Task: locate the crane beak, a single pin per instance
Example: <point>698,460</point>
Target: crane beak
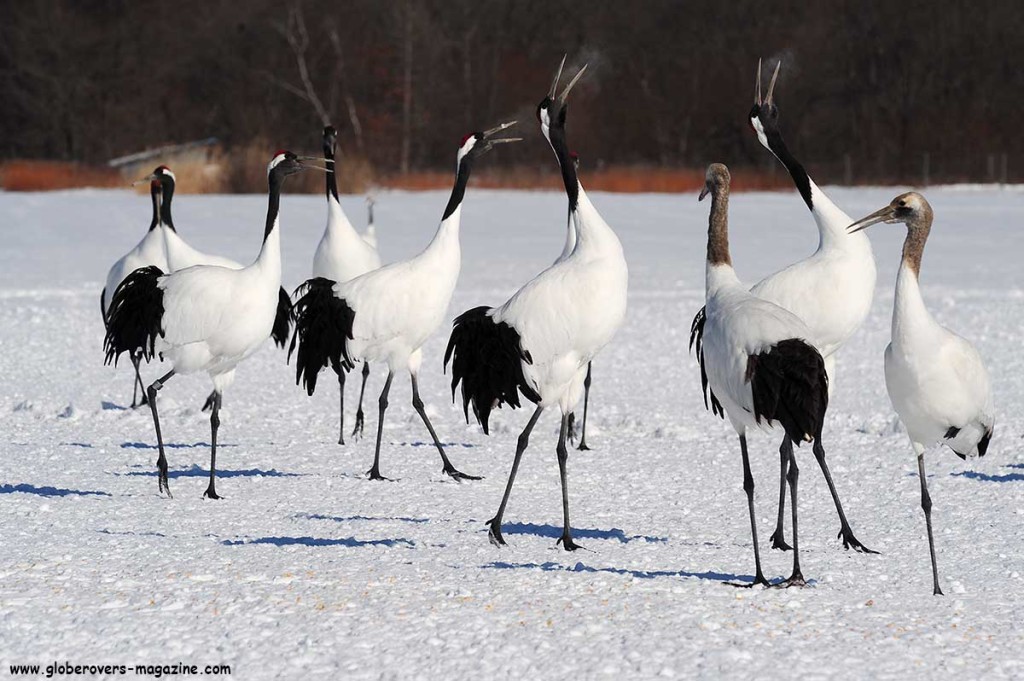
<point>704,192</point>
<point>147,178</point>
<point>769,100</point>
<point>883,215</point>
<point>496,130</point>
<point>314,166</point>
<point>565,93</point>
<point>554,83</point>
<point>757,84</point>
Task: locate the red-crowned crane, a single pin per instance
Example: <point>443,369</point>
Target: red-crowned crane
<point>830,290</point>
<point>387,314</point>
<point>181,255</point>
<point>936,380</point>
<point>343,254</point>
<point>542,339</point>
<point>148,252</point>
<point>203,318</point>
<point>756,361</point>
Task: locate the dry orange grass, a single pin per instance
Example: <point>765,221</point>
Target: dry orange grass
<point>34,176</point>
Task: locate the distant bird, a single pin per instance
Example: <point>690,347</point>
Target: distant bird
<point>388,314</point>
<point>570,244</point>
<point>181,255</point>
<point>936,380</point>
<point>542,339</point>
<point>203,318</point>
<point>370,235</point>
<point>830,290</point>
<point>148,252</point>
<point>343,254</point>
<point>756,360</point>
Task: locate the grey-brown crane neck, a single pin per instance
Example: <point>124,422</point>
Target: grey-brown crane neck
<point>918,228</point>
<point>718,227</point>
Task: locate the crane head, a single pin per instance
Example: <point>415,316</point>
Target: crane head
<point>905,208</point>
<point>717,176</point>
<point>551,110</point>
<point>330,141</point>
<point>479,143</point>
<point>764,115</point>
<point>162,176</point>
<point>285,163</point>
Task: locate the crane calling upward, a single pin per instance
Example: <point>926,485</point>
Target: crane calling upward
<point>936,380</point>
<point>203,318</point>
<point>388,314</point>
<point>542,339</point>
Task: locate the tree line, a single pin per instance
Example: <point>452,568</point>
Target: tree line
<point>869,91</point>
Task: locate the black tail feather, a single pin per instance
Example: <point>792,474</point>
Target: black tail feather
<point>983,442</point>
<point>487,359</point>
<point>323,327</point>
<point>283,320</point>
<point>103,305</point>
<point>789,385</point>
<point>697,339</point>
<point>135,315</point>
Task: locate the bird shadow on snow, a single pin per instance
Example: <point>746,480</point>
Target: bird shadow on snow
<point>199,472</point>
<point>985,477</point>
<point>352,518</point>
<point>49,491</point>
<point>171,445</point>
<point>556,532</point>
<point>551,566</point>
<point>350,542</point>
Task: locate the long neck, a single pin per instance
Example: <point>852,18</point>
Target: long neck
<point>556,135</point>
<point>331,181</point>
<point>274,204</point>
<point>165,208</point>
<point>909,313</point>
<point>800,178</point>
<point>459,190</point>
<point>154,195</point>
<point>718,228</point>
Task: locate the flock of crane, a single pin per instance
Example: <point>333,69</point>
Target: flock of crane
<point>766,353</point>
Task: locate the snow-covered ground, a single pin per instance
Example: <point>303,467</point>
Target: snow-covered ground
<point>307,570</point>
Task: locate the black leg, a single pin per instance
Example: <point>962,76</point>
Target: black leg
<point>748,487</point>
<point>586,401</point>
<point>844,530</point>
<point>494,533</point>
<point>138,385</point>
<point>211,491</point>
<point>208,404</point>
<point>448,468</point>
<point>926,505</point>
<point>778,537</point>
<point>341,405</point>
<point>382,403</point>
<point>563,459</point>
<point>797,578</point>
<point>161,462</point>
<point>358,430</point>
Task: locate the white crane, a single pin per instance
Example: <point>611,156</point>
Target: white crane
<point>756,359</point>
<point>343,254</point>
<point>387,314</point>
<point>831,290</point>
<point>203,318</point>
<point>149,251</point>
<point>181,255</point>
<point>936,380</point>
<point>542,339</point>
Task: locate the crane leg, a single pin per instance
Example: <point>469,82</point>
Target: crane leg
<point>161,462</point>
<point>138,384</point>
<point>211,490</point>
<point>563,459</point>
<point>417,404</point>
<point>586,401</point>
<point>926,506</point>
<point>748,487</point>
<point>341,406</point>
<point>797,578</point>
<point>494,524</point>
<point>358,430</point>
<point>382,404</point>
<point>845,531</point>
<point>778,537</point>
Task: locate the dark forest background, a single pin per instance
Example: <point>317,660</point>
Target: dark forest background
<point>869,91</point>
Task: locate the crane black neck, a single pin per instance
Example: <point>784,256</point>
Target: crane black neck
<point>167,186</point>
<point>459,190</point>
<point>556,135</point>
<point>796,170</point>
<point>331,180</point>
<point>274,182</point>
<point>154,195</point>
